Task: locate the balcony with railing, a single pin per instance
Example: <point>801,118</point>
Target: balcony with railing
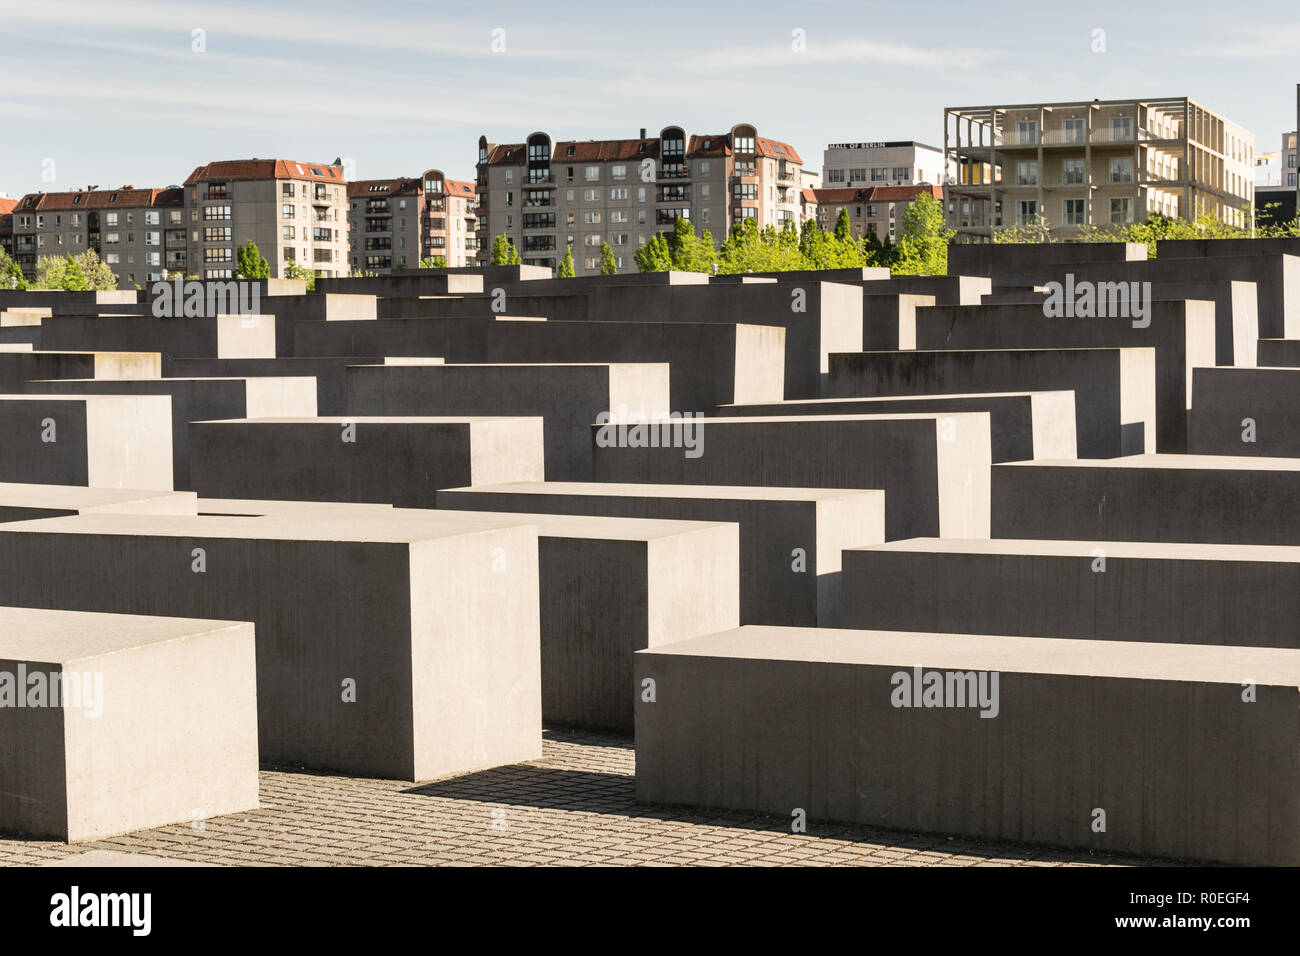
<point>786,172</point>
<point>377,205</point>
<point>540,177</point>
<point>674,171</point>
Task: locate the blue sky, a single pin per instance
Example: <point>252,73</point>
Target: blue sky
<point>112,91</point>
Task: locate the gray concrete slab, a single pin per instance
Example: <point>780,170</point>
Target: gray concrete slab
<point>22,502</point>
<point>790,538</point>
<point>200,399</point>
<point>125,722</point>
<point>1114,389</point>
<point>102,441</point>
<point>568,398</point>
<point>1138,748</point>
<point>1181,332</point>
<point>1245,411</point>
<point>390,460</point>
<point>1215,499</point>
<point>1024,425</point>
<point>1230,594</point>
<point>385,647</point>
<point>17,367</point>
<point>933,468</point>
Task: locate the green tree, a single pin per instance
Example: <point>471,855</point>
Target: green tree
<point>872,250</point>
<point>503,252</point>
<point>433,262</point>
<point>97,273</point>
<point>842,224</point>
<point>608,264</point>
<point>923,243</point>
<point>293,270</point>
<point>250,263</point>
<point>565,268</point>
<point>11,275</point>
<point>654,256</point>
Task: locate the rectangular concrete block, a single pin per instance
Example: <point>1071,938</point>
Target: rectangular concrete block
<point>103,441</point>
<point>568,398</point>
<point>1228,594</point>
<point>28,366</point>
<point>111,723</point>
<point>1181,332</point>
<point>385,647</point>
<point>398,461</point>
<point>1114,389</point>
<point>1024,425</point>
<point>790,538</point>
<point>23,502</point>
<point>1156,736</point>
<point>710,363</point>
<point>1245,411</point>
<point>612,586</point>
<point>933,468</point>
<point>1209,498</point>
<point>889,321</point>
<point>214,336</point>
<point>200,399</point>
<point>328,372</point>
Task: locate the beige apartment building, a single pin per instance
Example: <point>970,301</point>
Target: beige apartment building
<point>545,195</point>
<point>295,212</point>
<point>7,224</point>
<point>138,233</point>
<point>1096,162</point>
<point>876,209</point>
<point>396,223</point>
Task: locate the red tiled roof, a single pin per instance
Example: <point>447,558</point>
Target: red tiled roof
<point>775,149</point>
<point>809,195</point>
<point>7,205</point>
<point>717,145</point>
<point>99,199</point>
<point>871,194</point>
<point>458,187</point>
<point>391,187</point>
<point>575,151</point>
<point>235,170</point>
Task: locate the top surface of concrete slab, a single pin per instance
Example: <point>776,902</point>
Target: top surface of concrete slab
<point>586,526</point>
<point>309,527</point>
<point>1187,462</point>
<point>60,637</point>
<point>269,506</point>
<point>647,490</point>
<point>75,497</point>
<point>944,396</point>
<point>1201,663</point>
<point>361,419</point>
<point>1040,547</point>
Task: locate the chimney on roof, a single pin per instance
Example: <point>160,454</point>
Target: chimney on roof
<point>643,132</point>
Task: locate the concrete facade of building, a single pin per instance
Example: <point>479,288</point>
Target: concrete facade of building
<point>899,163</point>
<point>138,233</point>
<point>396,223</point>
<point>1098,162</point>
<point>295,212</point>
<point>545,195</point>
<point>874,209</point>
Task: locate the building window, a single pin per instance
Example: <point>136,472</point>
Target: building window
<point>1072,171</point>
<point>1027,172</point>
<point>110,219</point>
<point>1026,212</point>
<point>1121,210</point>
<point>1074,211</point>
<point>619,192</point>
<point>902,172</point>
<point>216,212</point>
<point>287,232</point>
<point>591,195</point>
<point>218,234</point>
<point>592,174</point>
<point>591,218</point>
<point>1121,169</point>
<point>1121,128</point>
<point>1027,133</point>
<point>219,255</point>
<point>618,215</point>
<point>111,238</point>
<point>618,173</point>
<point>745,191</point>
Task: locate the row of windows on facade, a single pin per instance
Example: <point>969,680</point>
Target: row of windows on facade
<point>859,175</point>
<point>542,197</point>
<point>591,174</point>
<point>287,191</point>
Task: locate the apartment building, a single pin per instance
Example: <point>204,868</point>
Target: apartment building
<point>546,195</point>
<point>7,224</point>
<point>138,233</point>
<point>295,212</point>
<point>1096,162</point>
<point>898,163</point>
<point>877,209</point>
<point>1287,160</point>
<point>395,223</point>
